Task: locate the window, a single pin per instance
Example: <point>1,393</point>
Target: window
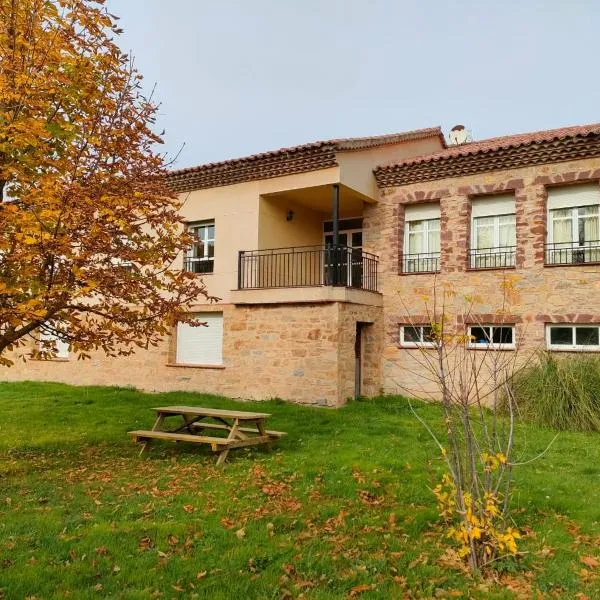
<point>422,239</point>
<point>493,232</point>
<point>492,336</point>
<point>573,337</point>
<point>51,341</point>
<point>201,345</point>
<point>200,257</point>
<point>417,336</point>
<point>573,224</point>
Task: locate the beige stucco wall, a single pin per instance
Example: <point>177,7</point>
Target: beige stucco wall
<point>235,210</point>
<point>274,231</point>
<point>356,167</point>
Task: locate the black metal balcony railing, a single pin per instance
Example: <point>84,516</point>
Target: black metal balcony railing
<point>199,265</point>
<point>573,253</point>
<point>424,262</point>
<point>307,266</point>
<point>501,257</point>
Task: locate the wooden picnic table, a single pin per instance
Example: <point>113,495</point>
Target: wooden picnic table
<point>242,428</point>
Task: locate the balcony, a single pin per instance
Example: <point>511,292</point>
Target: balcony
<point>502,257</point>
<point>424,262</point>
<point>573,253</point>
<point>307,266</point>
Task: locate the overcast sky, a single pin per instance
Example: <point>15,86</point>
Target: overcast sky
<point>236,77</point>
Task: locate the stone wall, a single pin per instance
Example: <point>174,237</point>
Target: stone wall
<point>299,352</point>
<point>534,294</point>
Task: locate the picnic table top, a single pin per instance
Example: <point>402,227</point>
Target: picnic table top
<point>212,412</point>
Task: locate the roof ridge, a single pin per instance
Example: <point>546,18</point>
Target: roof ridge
<point>505,152</point>
<point>335,143</point>
<point>495,143</point>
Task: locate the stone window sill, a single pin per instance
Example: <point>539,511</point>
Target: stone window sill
<point>406,273</point>
<point>185,366</point>
<point>59,360</point>
<point>510,268</point>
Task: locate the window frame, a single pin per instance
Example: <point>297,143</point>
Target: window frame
<point>571,347</point>
<point>63,351</point>
<point>426,232</point>
<point>491,345</point>
<point>207,317</point>
<point>421,344</point>
<point>575,229</point>
<point>496,227</point>
<point>189,259</point>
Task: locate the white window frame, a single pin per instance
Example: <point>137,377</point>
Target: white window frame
<point>426,230</point>
<point>574,223</point>
<point>496,248</point>
<point>491,345</point>
<point>203,318</point>
<point>190,258</point>
<point>62,346</point>
<point>410,344</point>
<point>570,347</point>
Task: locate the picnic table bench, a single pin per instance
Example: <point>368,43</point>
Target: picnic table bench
<point>198,420</point>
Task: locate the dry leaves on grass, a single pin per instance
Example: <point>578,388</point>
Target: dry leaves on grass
<point>590,561</point>
<point>369,498</point>
<point>360,589</point>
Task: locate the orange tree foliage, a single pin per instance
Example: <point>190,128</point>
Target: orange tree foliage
<point>89,233</point>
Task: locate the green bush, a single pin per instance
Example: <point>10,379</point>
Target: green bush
<point>560,392</point>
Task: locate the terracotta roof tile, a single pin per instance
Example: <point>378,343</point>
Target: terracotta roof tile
<point>505,152</point>
<point>285,161</point>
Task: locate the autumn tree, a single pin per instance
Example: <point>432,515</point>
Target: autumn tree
<point>89,231</point>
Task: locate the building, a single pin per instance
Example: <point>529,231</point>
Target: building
<point>323,256</point>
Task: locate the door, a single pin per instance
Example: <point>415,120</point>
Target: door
<point>358,348</point>
<point>344,266</point>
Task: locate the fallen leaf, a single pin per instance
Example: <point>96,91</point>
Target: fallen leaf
<point>590,561</point>
<point>240,533</point>
<point>173,540</point>
<point>201,575</point>
<point>145,544</point>
<point>359,589</point>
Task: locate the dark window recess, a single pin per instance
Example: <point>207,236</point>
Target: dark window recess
<point>561,336</point>
<point>344,225</point>
<point>493,334</point>
<point>412,334</point>
<point>502,335</point>
<point>587,336</point>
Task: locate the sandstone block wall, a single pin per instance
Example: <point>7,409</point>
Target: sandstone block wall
<point>298,352</point>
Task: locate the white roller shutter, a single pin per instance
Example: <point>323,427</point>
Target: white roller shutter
<point>491,206</point>
<point>422,212</point>
<point>62,347</point>
<point>201,345</point>
<point>570,196</point>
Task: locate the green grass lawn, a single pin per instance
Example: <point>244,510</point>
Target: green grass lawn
<point>340,508</point>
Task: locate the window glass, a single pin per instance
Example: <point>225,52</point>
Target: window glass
<point>561,336</point>
<point>480,335</point>
<point>484,232</point>
<point>200,256</point>
<point>507,234</point>
<point>412,334</point>
<point>587,336</point>
<point>502,335</point>
<point>428,334</point>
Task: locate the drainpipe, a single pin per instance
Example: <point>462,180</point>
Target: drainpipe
<point>336,214</point>
<point>336,253</point>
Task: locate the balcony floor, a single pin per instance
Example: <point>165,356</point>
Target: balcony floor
<point>302,295</point>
